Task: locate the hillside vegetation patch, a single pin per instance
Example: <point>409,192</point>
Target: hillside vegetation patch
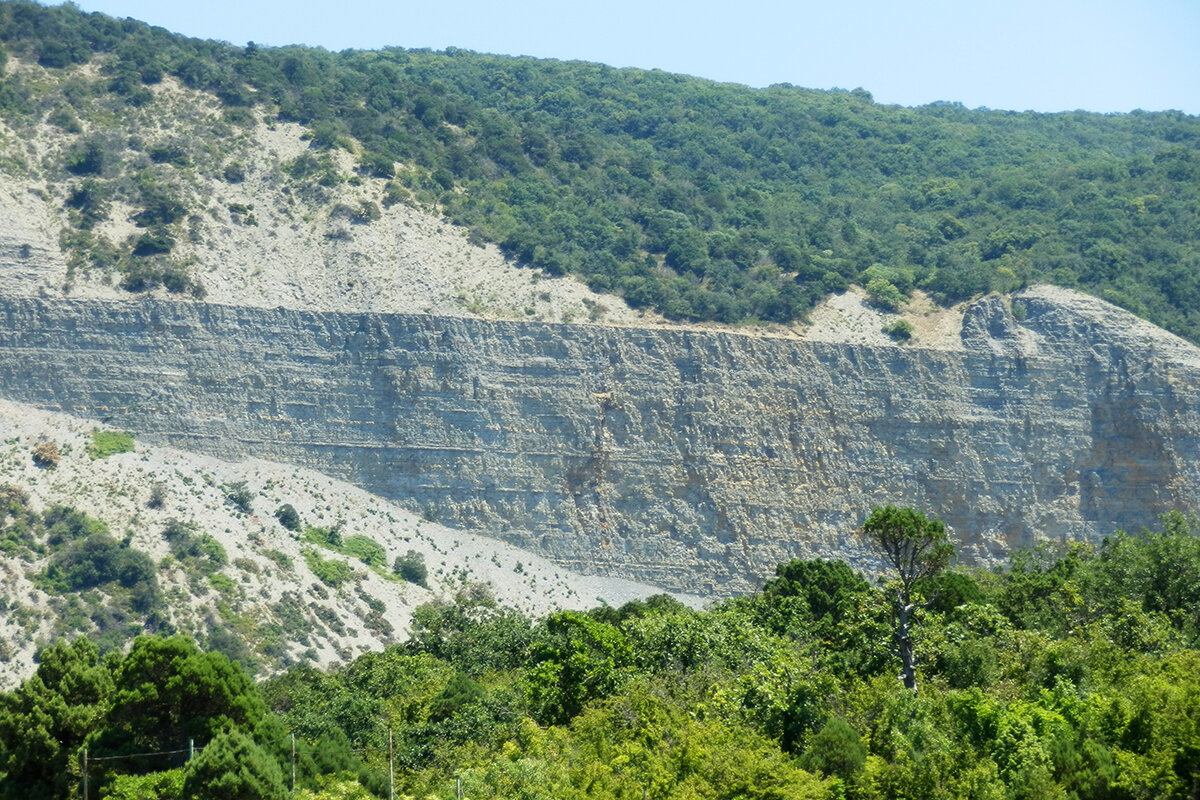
<point>109,443</point>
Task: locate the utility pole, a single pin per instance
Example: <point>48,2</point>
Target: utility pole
<point>191,749</point>
<point>84,770</point>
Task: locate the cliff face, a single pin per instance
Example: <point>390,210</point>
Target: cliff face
<point>691,460</point>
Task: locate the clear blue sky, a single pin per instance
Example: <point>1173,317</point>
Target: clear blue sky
<point>1045,55</point>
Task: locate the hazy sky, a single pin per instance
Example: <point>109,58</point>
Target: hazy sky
<point>1045,55</point>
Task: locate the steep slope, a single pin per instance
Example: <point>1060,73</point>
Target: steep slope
<point>264,594</point>
<point>691,460</point>
<point>702,201</point>
<point>253,227</point>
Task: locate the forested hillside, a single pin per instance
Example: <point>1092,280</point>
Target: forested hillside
<point>1069,674</point>
<point>702,200</point>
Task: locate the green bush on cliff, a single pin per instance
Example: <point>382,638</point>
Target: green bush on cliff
<point>109,443</point>
<point>365,549</point>
<point>330,571</point>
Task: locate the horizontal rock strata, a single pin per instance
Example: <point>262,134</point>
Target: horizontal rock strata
<point>691,460</point>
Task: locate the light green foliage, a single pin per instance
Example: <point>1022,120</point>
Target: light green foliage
<point>330,571</point>
<point>335,788</point>
<point>781,695</point>
<point>473,632</point>
<point>165,785</point>
<point>884,295</point>
<point>109,443</point>
<point>901,330</point>
<point>365,549</point>
<point>281,559</point>
<point>330,537</point>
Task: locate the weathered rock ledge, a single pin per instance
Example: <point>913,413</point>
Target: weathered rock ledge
<point>691,460</point>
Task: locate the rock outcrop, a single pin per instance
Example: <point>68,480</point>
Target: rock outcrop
<point>691,460</point>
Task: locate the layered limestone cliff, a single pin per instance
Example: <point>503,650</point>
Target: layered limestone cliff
<point>691,460</point>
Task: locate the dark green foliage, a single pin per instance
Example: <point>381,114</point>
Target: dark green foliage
<point>47,718</point>
<point>167,691</point>
<point>915,550</point>
<point>153,243</point>
<point>288,517</point>
<point>459,692</point>
<point>144,274</point>
<point>98,560</point>
<point>705,201</point>
<point>836,750</point>
<point>238,495</point>
<point>948,590</point>
<point>411,567</point>
<point>90,199</point>
<point>576,660</point>
<point>194,550</point>
<point>233,766</point>
<point>826,592</point>
<point>234,173</point>
<point>158,495</point>
<point>20,526</point>
<point>84,556</point>
<point>914,546</point>
<point>87,158</point>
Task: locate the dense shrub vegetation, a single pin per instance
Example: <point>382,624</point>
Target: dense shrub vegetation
<point>109,443</point>
<point>702,200</point>
<point>1073,673</point>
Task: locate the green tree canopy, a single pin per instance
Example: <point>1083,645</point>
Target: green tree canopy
<point>233,766</point>
<point>915,548</point>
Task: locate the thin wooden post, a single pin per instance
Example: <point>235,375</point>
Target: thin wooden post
<point>84,768</point>
<point>293,762</point>
<point>458,787</point>
<point>391,767</point>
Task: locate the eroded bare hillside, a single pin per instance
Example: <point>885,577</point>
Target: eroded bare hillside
<point>183,198</point>
<point>228,571</point>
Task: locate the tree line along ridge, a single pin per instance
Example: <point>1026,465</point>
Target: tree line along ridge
<point>701,200</point>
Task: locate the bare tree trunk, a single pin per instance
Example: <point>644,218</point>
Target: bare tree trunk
<point>908,659</point>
